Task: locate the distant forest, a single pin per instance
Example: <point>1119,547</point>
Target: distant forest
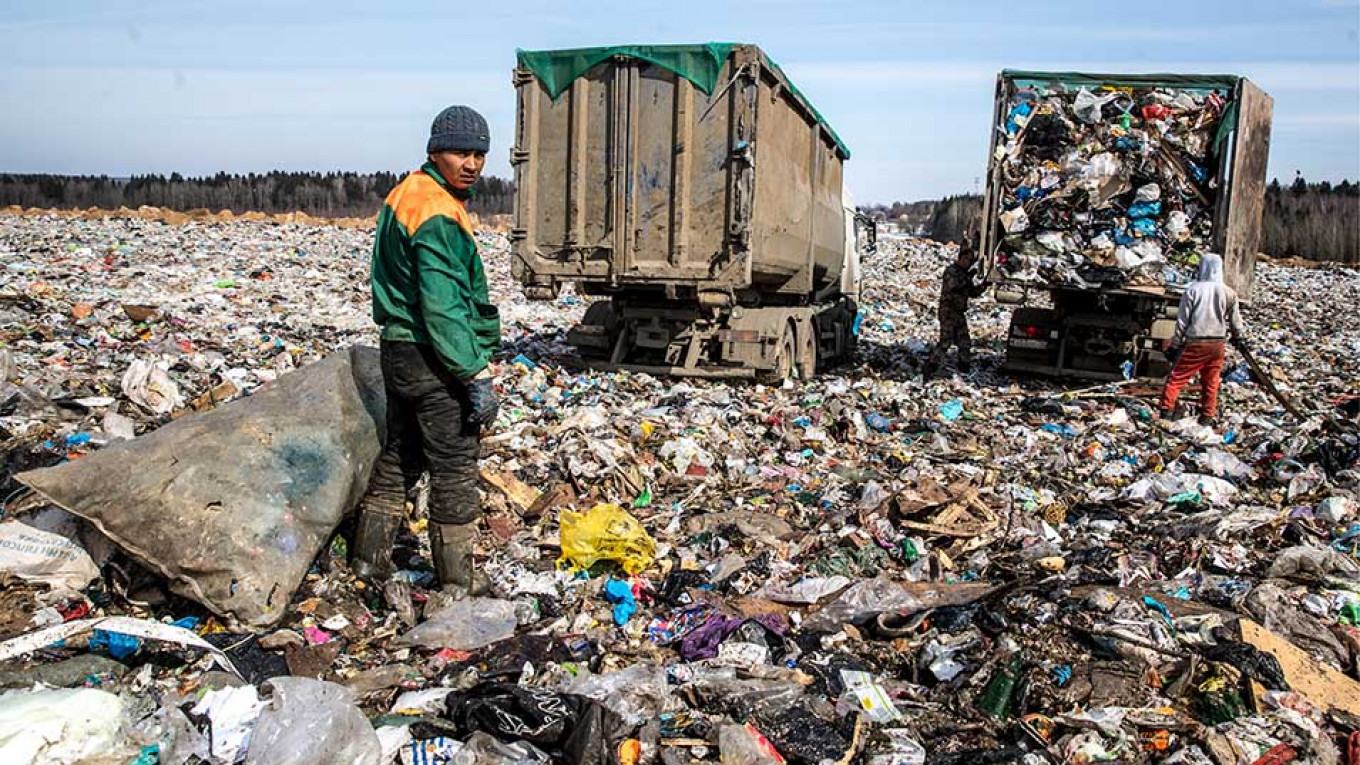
<point>324,195</point>
<point>1314,221</point>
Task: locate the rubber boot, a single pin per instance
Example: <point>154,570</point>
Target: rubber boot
<point>451,546</point>
<point>373,541</point>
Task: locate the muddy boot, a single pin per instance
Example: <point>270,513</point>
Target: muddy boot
<point>451,546</point>
<point>373,541</point>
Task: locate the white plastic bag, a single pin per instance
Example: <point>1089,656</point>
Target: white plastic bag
<point>148,385</point>
<point>309,722</point>
<point>65,726</point>
<point>466,625</point>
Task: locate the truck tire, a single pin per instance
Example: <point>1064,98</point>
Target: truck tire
<point>785,359</point>
<point>807,351</point>
<point>600,323</point>
<point>601,313</point>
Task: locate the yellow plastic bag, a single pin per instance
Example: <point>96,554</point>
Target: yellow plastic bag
<point>606,532</point>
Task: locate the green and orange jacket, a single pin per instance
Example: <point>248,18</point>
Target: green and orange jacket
<point>428,282</point>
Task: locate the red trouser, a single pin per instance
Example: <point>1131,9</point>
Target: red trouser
<point>1207,360</point>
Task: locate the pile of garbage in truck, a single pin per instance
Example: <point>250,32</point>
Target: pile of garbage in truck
<point>1108,185</point>
<point>866,567</point>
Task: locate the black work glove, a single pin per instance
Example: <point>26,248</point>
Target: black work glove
<point>1173,353</point>
<point>482,401</point>
<point>1240,343</point>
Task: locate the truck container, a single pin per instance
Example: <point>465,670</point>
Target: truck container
<point>699,195</point>
<point>1097,324</point>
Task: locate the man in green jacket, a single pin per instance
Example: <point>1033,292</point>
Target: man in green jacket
<point>439,331</point>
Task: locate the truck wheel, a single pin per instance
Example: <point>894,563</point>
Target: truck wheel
<point>784,357</point>
<point>807,351</point>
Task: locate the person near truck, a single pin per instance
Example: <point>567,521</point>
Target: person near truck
<point>957,287</point>
<point>1207,319</point>
<point>439,330</point>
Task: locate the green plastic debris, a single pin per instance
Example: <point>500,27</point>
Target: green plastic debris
<point>909,552</point>
<point>1350,614</point>
<point>225,284</point>
<point>644,499</point>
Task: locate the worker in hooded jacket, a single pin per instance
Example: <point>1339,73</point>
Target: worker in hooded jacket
<point>439,331</point>
<point>1208,318</point>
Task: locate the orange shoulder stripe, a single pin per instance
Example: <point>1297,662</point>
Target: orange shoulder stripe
<point>419,197</point>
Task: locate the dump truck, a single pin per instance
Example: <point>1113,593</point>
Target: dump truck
<point>697,196</point>
<point>1187,153</point>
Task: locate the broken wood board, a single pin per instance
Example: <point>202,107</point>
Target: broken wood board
<point>522,495</point>
<point>556,497</point>
<point>1322,685</point>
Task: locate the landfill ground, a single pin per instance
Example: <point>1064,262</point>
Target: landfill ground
<point>864,567</point>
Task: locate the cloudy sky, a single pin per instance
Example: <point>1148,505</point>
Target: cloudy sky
<point>251,85</point>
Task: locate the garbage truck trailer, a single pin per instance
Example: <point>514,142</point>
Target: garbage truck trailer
<point>697,195</point>
<point>1102,192</point>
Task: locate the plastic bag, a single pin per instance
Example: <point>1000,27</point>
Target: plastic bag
<point>605,532</point>
<point>39,556</point>
<point>312,721</point>
<point>232,505</point>
<point>1015,220</point>
<point>745,745</point>
<point>863,600</point>
<point>1149,192</point>
<point>1335,510</point>
<point>951,410</point>
<point>466,625</point>
<point>55,727</point>
<point>484,749</point>
<point>148,385</point>
<point>1225,465</point>
<point>637,693</point>
<point>232,713</point>
<point>586,732</point>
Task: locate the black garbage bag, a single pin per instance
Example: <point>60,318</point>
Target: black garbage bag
<point>1260,666</point>
<point>1102,276</point>
<point>580,729</point>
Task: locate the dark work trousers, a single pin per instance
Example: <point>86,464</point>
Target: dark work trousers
<point>953,332</point>
<point>426,430</point>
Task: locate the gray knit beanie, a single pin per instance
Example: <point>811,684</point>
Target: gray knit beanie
<point>459,128</point>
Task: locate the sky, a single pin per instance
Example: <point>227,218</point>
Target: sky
<point>122,88</point>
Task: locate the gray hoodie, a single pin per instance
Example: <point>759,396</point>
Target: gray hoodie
<point>1208,309</point>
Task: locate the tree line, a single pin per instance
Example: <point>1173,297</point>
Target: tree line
<point>1313,221</point>
<point>324,195</point>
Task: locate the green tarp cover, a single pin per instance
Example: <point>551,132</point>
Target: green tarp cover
<point>699,63</point>
<point>1182,81</point>
<point>557,69</point>
<point>1202,82</point>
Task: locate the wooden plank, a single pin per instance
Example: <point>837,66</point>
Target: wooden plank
<point>519,493</point>
<point>1322,685</point>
